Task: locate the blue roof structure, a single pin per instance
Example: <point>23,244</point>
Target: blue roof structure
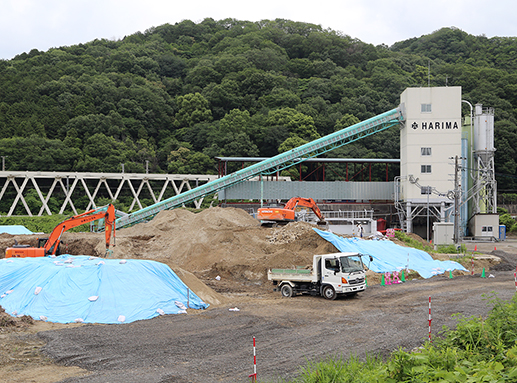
<point>86,289</point>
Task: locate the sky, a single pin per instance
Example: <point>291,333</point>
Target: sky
<point>45,24</point>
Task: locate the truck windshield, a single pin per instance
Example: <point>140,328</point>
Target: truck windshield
<point>351,264</point>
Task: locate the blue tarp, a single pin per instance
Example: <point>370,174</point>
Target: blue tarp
<point>389,257</point>
<point>86,289</point>
<point>14,229</point>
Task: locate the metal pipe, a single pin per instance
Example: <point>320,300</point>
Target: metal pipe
<point>471,134</point>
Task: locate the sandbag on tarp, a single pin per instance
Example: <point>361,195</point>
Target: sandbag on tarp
<point>86,289</point>
<point>389,257</point>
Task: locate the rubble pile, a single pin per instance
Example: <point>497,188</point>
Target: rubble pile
<point>289,233</point>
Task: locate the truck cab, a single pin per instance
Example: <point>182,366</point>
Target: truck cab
<point>330,276</point>
<point>341,273</point>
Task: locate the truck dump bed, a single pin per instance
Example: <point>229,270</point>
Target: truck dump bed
<point>295,275</point>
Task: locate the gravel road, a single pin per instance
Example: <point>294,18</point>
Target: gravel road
<point>216,345</point>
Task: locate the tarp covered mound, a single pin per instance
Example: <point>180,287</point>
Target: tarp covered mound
<point>86,289</point>
<point>14,229</point>
<point>389,257</point>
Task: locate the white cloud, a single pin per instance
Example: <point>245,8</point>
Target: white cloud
<point>28,24</point>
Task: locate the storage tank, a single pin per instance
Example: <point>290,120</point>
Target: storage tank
<point>483,131</point>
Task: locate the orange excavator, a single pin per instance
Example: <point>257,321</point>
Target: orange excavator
<point>50,246</point>
<point>273,216</point>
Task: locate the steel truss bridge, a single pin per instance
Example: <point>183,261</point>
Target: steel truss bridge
<point>15,186</point>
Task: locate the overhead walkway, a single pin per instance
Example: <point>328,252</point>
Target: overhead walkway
<point>272,165</point>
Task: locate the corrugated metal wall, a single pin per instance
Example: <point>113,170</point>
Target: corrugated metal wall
<point>334,190</point>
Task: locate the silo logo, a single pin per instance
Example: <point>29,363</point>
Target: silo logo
<point>444,125</point>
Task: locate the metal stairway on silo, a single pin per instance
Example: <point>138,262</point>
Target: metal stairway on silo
<point>271,165</point>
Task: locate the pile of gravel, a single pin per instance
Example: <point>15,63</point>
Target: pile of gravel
<point>508,261</point>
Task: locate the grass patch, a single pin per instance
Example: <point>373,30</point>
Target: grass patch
<point>445,249</point>
<point>43,224</point>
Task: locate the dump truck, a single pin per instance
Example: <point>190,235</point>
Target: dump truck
<point>331,275</point>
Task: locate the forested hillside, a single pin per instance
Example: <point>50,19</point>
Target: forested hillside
<point>179,95</point>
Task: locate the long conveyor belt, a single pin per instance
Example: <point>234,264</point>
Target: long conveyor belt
<point>271,165</point>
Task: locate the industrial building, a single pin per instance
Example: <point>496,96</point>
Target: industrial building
<point>447,177</point>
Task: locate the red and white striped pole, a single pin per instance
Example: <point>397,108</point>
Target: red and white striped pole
<point>254,375</point>
<point>430,319</point>
<point>515,278</point>
<point>472,272</point>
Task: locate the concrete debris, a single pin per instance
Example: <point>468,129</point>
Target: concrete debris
<point>289,233</point>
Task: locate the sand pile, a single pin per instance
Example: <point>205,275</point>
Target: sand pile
<point>216,240</point>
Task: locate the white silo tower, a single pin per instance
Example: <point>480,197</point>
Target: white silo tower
<point>485,220</point>
<point>485,187</point>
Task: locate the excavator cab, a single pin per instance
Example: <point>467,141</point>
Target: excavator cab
<point>42,243</point>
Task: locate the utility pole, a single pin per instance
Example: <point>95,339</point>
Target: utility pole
<point>456,200</point>
<point>428,191</point>
<point>3,163</point>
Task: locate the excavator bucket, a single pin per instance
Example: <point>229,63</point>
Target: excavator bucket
<point>323,225</point>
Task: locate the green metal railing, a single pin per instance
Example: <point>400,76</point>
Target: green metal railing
<point>271,165</point>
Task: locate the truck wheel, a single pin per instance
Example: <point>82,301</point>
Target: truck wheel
<point>286,291</point>
<point>329,292</point>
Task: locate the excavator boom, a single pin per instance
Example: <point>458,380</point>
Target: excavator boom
<point>51,245</point>
<point>293,203</point>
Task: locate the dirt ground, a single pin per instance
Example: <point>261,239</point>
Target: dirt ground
<point>215,345</point>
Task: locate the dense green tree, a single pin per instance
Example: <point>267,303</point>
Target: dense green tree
<point>192,108</point>
<point>346,121</point>
<point>297,123</point>
<point>290,143</point>
<point>235,88</point>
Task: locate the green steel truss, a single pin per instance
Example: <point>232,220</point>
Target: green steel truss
<point>271,165</point>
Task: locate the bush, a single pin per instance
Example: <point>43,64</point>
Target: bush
<point>507,220</point>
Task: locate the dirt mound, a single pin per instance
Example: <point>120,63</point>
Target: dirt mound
<point>215,239</point>
<point>418,238</point>
<point>290,233</point>
<point>508,261</point>
<point>9,323</point>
